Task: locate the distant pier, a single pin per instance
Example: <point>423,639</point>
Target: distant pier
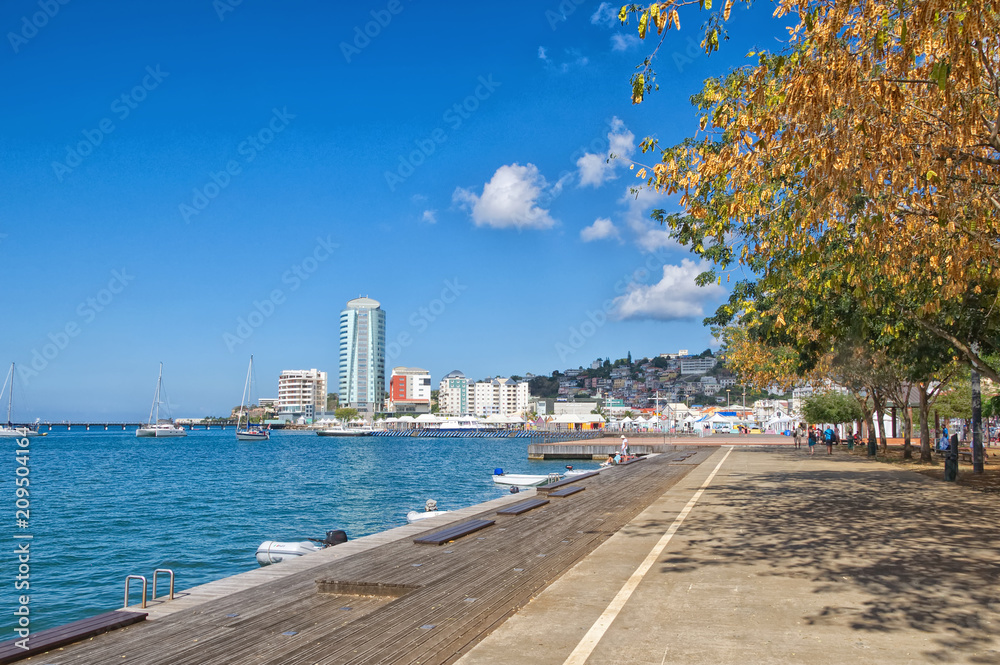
<point>114,426</point>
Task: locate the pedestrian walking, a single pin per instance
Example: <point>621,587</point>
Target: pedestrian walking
<point>797,436</point>
<point>828,438</point>
<point>812,441</point>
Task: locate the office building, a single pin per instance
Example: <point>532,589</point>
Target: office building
<point>362,355</point>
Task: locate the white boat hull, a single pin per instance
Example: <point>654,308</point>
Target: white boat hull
<point>19,432</point>
<point>525,480</point>
<point>160,432</point>
<point>253,436</point>
<point>273,551</point>
<point>416,515</point>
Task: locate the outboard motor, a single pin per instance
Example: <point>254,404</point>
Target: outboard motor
<point>332,538</point>
<point>430,506</point>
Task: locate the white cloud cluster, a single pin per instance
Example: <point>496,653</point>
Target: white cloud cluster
<point>574,58</point>
<point>605,14</point>
<point>601,229</point>
<point>594,168</point>
<point>429,216</point>
<point>623,41</point>
<point>649,235</point>
<point>509,200</point>
<point>675,297</point>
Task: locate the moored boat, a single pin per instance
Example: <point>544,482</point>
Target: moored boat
<point>9,430</point>
<point>249,431</point>
<point>430,510</point>
<point>155,426</point>
<point>523,479</point>
<point>274,551</point>
<point>340,430</point>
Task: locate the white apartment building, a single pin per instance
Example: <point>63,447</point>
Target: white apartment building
<point>409,390</point>
<point>454,398</point>
<point>697,365</point>
<point>500,396</point>
<point>301,392</point>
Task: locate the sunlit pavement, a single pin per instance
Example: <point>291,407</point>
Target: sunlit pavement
<point>784,558</point>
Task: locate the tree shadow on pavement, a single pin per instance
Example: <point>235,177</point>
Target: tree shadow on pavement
<point>924,551</point>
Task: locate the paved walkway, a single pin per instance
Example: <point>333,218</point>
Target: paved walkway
<point>782,558</point>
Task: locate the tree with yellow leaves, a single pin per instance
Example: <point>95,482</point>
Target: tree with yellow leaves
<point>869,147</point>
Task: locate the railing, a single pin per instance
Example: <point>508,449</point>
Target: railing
<point>128,580</point>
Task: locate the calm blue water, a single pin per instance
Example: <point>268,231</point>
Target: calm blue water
<point>106,504</point>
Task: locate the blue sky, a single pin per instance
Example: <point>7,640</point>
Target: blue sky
<point>174,169</point>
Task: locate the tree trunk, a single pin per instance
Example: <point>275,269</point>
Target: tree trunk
<point>879,402</point>
<point>907,432</point>
<point>925,429</point>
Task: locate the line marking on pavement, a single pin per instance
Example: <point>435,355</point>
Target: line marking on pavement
<point>589,642</point>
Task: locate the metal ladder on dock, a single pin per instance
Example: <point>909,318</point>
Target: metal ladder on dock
<point>156,573</point>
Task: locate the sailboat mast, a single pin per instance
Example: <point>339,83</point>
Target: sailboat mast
<point>10,397</point>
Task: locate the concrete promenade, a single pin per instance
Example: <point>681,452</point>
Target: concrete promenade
<point>783,558</point>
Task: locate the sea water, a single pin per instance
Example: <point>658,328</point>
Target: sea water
<point>105,504</point>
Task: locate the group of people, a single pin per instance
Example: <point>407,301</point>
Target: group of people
<point>814,435</point>
<point>620,456</point>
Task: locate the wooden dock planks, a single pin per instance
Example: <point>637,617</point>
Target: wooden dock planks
<point>460,593</point>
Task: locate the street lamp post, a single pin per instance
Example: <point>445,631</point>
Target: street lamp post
<point>729,402</point>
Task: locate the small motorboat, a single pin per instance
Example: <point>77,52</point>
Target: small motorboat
<point>430,510</point>
<point>273,551</point>
<point>570,471</point>
<point>523,479</point>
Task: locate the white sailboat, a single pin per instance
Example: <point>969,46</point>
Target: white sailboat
<point>9,430</point>
<point>249,432</point>
<point>155,427</point>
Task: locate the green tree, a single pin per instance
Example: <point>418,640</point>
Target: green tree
<point>831,407</point>
<point>345,414</point>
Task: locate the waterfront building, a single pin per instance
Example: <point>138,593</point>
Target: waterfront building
<point>500,396</point>
<point>409,390</point>
<point>453,395</point>
<point>362,355</point>
<point>301,393</point>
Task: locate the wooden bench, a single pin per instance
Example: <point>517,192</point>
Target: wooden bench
<point>77,631</point>
<point>566,491</point>
<point>566,481</point>
<point>453,532</point>
<point>522,507</point>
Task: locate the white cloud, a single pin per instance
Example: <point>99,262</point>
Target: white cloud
<point>675,297</point>
<point>509,199</point>
<point>418,198</point>
<point>605,14</point>
<point>649,235</point>
<point>601,228</point>
<point>595,169</point>
<point>574,59</point>
<point>623,41</point>
<point>429,216</point>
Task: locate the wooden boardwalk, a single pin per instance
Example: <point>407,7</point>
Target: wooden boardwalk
<point>399,602</point>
